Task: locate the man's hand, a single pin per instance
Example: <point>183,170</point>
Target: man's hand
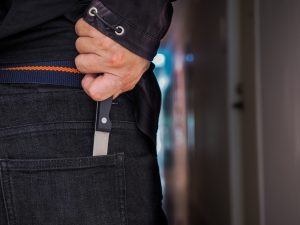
<point>98,53</point>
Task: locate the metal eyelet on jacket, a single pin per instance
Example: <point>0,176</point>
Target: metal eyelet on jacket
<point>93,11</point>
<point>119,30</point>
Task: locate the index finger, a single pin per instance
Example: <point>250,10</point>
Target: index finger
<point>83,29</point>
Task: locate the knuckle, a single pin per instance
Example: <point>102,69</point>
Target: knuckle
<point>78,26</point>
<point>116,60</point>
<point>78,43</point>
<point>107,43</point>
<point>99,42</point>
<point>131,70</point>
<point>77,61</point>
<point>84,85</point>
<point>80,63</point>
<point>104,43</point>
<point>131,87</point>
<point>95,94</point>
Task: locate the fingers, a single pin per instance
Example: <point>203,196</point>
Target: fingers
<point>99,54</point>
<point>87,81</point>
<point>101,87</point>
<point>85,45</point>
<point>83,29</point>
<point>89,63</point>
<point>98,63</point>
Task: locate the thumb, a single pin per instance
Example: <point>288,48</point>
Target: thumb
<point>101,87</point>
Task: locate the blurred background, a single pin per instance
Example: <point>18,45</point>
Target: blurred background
<point>229,130</point>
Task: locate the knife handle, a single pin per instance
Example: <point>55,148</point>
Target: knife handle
<point>103,122</point>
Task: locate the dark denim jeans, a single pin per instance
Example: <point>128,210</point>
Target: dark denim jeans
<point>47,173</point>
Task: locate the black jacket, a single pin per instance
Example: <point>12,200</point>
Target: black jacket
<point>142,23</point>
<point>28,26</point>
<point>39,31</point>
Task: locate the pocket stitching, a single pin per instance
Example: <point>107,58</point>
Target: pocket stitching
<point>123,206</point>
<point>119,180</point>
<point>73,163</point>
<point>7,194</point>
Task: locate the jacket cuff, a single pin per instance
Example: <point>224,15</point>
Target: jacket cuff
<point>129,36</point>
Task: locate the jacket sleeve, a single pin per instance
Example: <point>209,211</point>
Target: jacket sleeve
<point>138,25</point>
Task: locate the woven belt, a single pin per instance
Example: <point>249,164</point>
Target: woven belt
<point>50,72</point>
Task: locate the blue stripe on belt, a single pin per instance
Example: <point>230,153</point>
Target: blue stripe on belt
<point>52,72</point>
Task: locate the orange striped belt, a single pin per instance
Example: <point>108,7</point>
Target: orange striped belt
<point>50,72</point>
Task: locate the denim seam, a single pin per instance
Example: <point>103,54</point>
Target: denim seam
<point>55,168</point>
<point>66,122</point>
<point>53,164</point>
<point>60,126</point>
<point>3,194</point>
<point>125,219</point>
<point>6,188</point>
<point>12,201</point>
<point>120,182</point>
<point>43,124</point>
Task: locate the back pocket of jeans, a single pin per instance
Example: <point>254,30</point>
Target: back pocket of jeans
<point>65,191</point>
